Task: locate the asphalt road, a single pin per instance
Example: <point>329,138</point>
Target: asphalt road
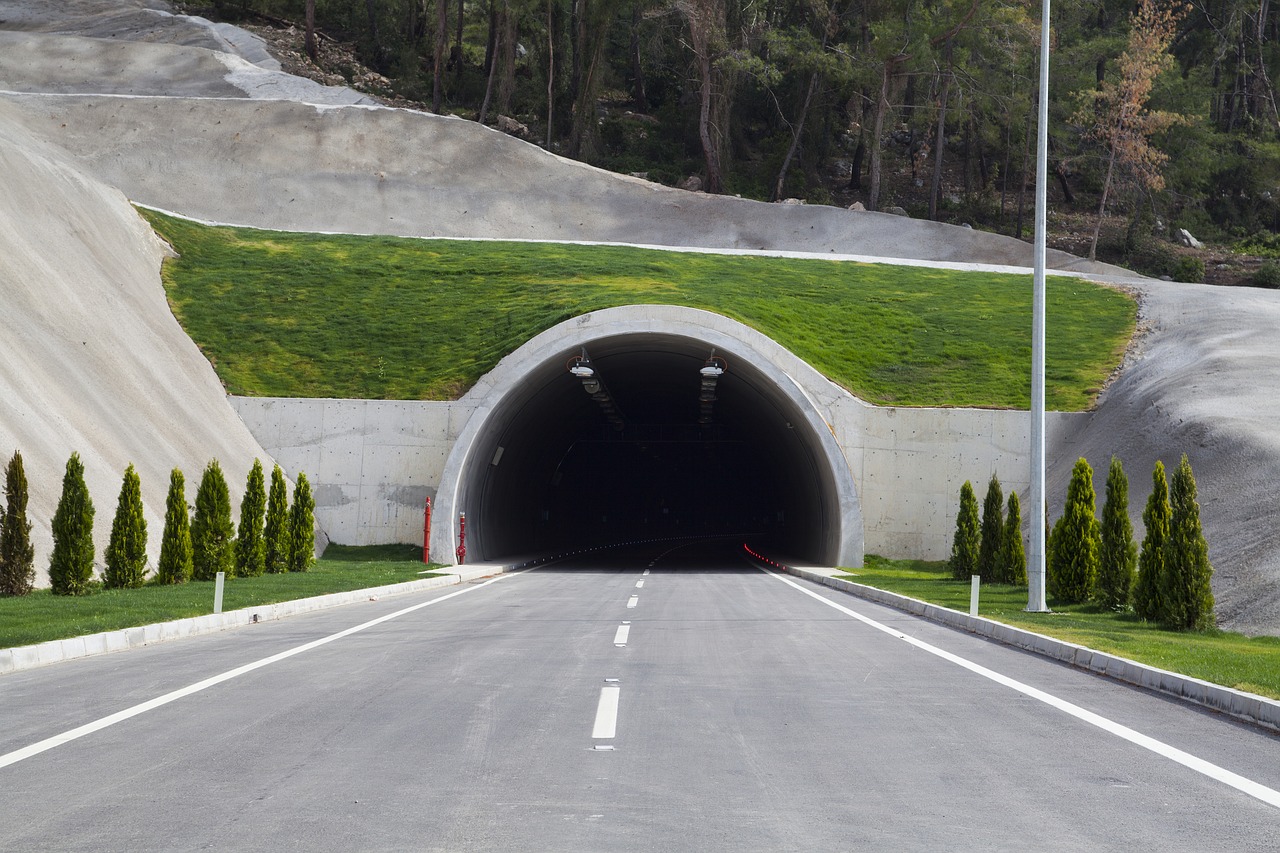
<point>726,709</point>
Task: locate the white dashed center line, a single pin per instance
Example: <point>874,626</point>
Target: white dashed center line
<point>606,725</point>
<point>620,638</point>
<point>633,601</point>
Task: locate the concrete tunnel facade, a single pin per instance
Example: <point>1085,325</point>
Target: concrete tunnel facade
<point>542,466</point>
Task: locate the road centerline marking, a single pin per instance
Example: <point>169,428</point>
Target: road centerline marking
<point>639,584</point>
<point>1270,796</point>
<point>150,705</point>
<point>633,601</point>
<point>620,638</point>
<point>606,724</point>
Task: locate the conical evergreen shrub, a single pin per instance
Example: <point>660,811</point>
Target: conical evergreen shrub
<point>302,527</point>
<point>211,529</point>
<point>1185,588</point>
<point>17,554</point>
<point>1012,562</point>
<point>71,564</point>
<point>1148,601</point>
<point>992,531</point>
<point>964,547</point>
<point>250,548</point>
<point>1118,561</point>
<point>275,532</point>
<point>126,557</point>
<point>1073,568</point>
<point>175,546</point>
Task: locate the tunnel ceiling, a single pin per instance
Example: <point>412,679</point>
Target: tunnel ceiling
<point>551,472</point>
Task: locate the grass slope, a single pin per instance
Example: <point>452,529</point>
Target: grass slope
<point>41,615</point>
<point>307,315</point>
<point>1232,660</point>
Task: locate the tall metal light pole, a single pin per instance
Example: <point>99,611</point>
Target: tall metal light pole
<point>1036,574</point>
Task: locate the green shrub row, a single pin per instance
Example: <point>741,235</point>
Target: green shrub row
<point>1167,582</point>
<point>198,541</point>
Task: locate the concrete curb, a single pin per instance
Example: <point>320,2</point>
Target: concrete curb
<point>56,651</point>
<point>1236,703</point>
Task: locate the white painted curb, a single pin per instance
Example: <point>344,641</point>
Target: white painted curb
<point>1237,703</point>
<point>56,651</point>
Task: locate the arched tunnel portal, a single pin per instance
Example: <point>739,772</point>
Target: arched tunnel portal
<point>635,444</point>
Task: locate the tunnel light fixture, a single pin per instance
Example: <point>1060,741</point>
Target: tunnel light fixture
<point>709,374</point>
<point>580,368</point>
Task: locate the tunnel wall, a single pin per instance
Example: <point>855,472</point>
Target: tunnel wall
<point>372,463</point>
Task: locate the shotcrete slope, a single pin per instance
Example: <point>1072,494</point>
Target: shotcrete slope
<point>91,359</point>
<point>1202,380</point>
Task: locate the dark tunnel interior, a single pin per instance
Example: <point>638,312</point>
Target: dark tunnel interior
<point>648,458</point>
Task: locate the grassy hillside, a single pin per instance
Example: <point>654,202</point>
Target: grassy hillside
<point>309,315</point>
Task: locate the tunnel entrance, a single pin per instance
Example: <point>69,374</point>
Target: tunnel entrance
<point>618,436</point>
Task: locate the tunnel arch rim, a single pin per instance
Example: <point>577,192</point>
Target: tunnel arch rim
<point>497,396</point>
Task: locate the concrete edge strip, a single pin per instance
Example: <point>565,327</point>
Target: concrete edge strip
<point>56,651</point>
<point>1248,707</point>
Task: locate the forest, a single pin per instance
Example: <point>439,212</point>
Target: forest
<point>1162,114</point>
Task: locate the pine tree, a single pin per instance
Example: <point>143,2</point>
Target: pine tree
<point>71,564</point>
<point>1185,588</point>
<point>1117,564</point>
<point>1148,600</point>
<point>250,548</point>
<point>302,527</point>
<point>17,554</point>
<point>126,557</point>
<point>1013,554</point>
<point>992,532</point>
<point>275,532</point>
<point>175,547</point>
<point>1074,567</point>
<point>964,548</point>
<point>211,530</point>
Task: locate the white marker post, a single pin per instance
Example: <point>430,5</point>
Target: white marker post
<point>218,583</point>
<point>975,582</point>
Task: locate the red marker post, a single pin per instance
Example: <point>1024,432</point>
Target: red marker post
<point>426,533</point>
<point>462,538</point>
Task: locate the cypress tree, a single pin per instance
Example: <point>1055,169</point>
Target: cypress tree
<point>126,558</point>
<point>1148,601</point>
<point>302,527</point>
<point>71,564</point>
<point>1185,588</point>
<point>1118,561</point>
<point>17,554</point>
<point>275,533</point>
<point>211,530</point>
<point>175,547</point>
<point>250,549</point>
<point>992,532</point>
<point>964,547</point>
<point>1012,562</point>
<point>1074,568</point>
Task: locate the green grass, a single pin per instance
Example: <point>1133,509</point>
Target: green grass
<point>307,315</point>
<point>42,616</point>
<point>1232,660</point>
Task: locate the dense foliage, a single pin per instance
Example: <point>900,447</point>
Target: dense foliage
<point>211,530</point>
<point>964,546</point>
<point>250,547</point>
<point>126,556</point>
<point>928,105</point>
<point>992,531</point>
<point>175,564</point>
<point>1118,559</point>
<point>71,564</point>
<point>302,527</point>
<point>1012,563</point>
<point>1185,589</point>
<point>1147,594</point>
<point>17,554</point>
<point>275,533</point>
<point>1073,556</point>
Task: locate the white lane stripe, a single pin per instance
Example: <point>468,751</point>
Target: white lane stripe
<point>646,573</point>
<point>150,705</point>
<point>620,638</point>
<point>633,601</point>
<point>1270,796</point>
<point>606,725</point>
<point>639,584</point>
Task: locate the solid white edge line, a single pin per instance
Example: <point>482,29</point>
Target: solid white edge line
<point>1270,796</point>
<point>128,713</point>
<point>606,724</point>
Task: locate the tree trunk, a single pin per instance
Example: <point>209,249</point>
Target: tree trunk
<point>796,131</point>
<point>855,166</point>
<point>877,132</point>
<point>457,40</point>
<point>313,50</point>
<point>710,151</point>
<point>638,93</point>
<point>442,42</point>
<point>940,141</point>
<point>1102,205</point>
<point>1026,162</point>
<point>551,71</point>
